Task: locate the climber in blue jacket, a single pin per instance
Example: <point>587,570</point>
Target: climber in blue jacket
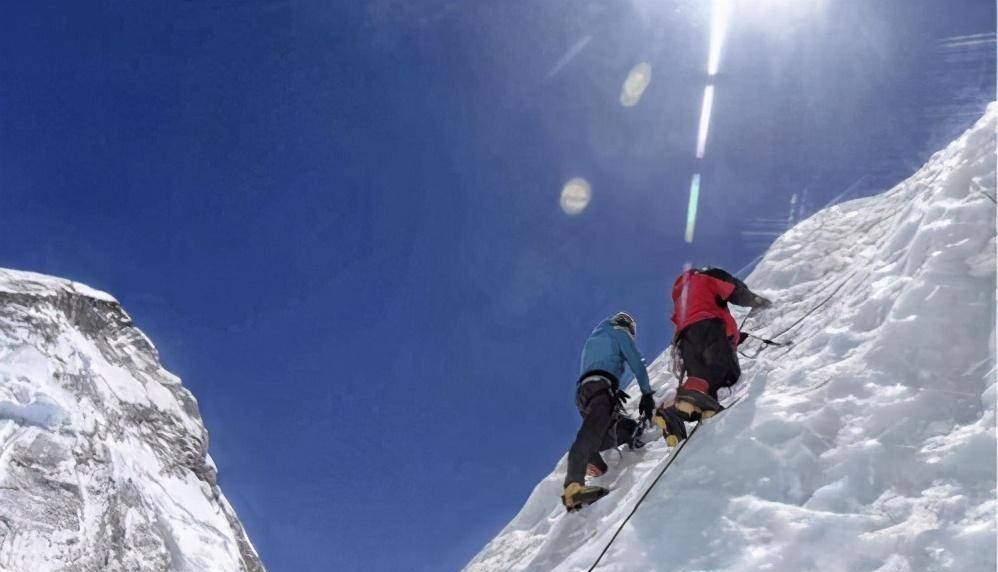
<point>609,349</point>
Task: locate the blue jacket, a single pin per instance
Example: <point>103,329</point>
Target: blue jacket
<point>608,349</point>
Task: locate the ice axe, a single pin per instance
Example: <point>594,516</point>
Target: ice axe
<point>769,342</point>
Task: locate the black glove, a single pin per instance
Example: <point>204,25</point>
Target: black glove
<point>760,302</point>
<point>742,336</point>
<point>647,406</point>
<point>622,397</point>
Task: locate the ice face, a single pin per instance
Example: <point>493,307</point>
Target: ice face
<point>869,444</point>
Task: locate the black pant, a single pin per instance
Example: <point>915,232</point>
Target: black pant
<point>709,354</point>
<point>601,429</point>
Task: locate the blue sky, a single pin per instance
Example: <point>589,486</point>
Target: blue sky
<point>339,221</point>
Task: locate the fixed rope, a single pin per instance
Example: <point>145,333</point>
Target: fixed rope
<point>825,300</point>
<point>819,305</point>
<point>643,496</point>
<point>876,222</point>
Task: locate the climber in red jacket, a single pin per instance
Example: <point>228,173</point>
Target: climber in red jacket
<point>706,338</point>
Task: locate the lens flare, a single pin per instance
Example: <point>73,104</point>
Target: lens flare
<point>720,18</point>
<point>705,111</point>
<point>691,210</point>
<point>635,85</point>
<point>575,196</point>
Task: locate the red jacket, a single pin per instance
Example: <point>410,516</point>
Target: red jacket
<point>697,297</point>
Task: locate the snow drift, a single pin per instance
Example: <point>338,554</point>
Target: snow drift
<point>867,445</point>
<point>103,455</point>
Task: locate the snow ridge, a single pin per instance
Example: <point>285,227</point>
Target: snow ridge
<point>103,454</point>
<point>867,445</point>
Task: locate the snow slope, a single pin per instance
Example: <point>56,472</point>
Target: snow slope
<point>867,445</point>
<point>103,455</point>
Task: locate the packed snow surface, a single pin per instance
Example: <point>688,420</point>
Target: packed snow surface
<point>103,455</point>
<point>869,444</point>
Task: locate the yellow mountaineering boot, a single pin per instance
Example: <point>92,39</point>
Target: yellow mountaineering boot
<point>671,424</point>
<point>577,495</point>
<point>694,405</point>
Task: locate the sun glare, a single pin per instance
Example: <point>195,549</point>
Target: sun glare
<point>720,18</point>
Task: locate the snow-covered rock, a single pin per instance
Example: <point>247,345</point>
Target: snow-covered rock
<point>103,455</point>
<point>867,445</point>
